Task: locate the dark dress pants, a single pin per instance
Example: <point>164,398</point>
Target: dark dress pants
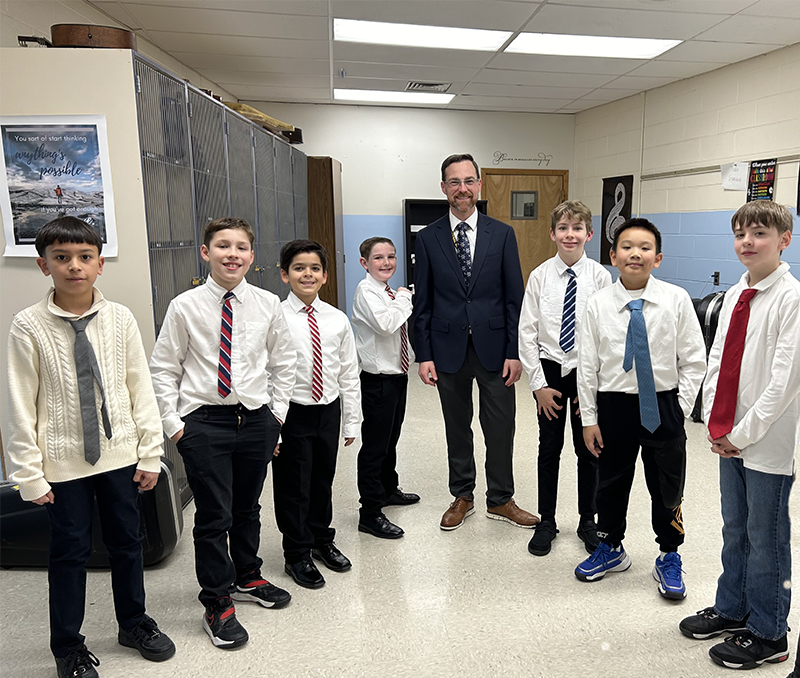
<point>226,450</point>
<point>71,545</point>
<point>497,412</point>
<point>383,401</point>
<point>551,443</point>
<point>302,478</point>
<point>664,460</point>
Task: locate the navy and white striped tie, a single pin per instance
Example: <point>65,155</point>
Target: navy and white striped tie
<point>567,338</point>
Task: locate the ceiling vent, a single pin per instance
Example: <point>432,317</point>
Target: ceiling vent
<point>428,86</point>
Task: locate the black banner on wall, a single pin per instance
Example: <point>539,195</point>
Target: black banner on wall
<point>617,202</point>
<point>761,182</point>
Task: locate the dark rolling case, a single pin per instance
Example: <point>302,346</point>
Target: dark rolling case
<point>25,528</point>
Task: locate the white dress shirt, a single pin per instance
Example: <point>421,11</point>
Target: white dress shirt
<point>677,351</point>
<point>185,359</point>
<point>377,319</point>
<point>543,307</point>
<point>767,421</point>
<point>472,231</point>
<point>339,359</point>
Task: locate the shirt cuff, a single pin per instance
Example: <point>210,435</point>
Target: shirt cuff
<point>150,464</point>
<point>34,489</point>
<point>172,424</point>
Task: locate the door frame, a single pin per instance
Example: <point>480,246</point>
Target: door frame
<point>564,174</point>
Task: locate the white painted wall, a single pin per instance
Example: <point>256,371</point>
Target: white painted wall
<point>34,17</point>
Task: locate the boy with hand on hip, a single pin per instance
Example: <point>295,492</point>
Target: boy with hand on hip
<point>380,317</point>
<point>752,408</point>
<point>84,427</point>
<point>223,348</point>
<point>641,363</point>
<point>549,324</point>
<point>325,400</point>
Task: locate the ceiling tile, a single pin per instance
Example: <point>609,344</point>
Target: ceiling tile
<point>688,6</point>
<point>789,9</point>
<point>674,69</point>
<point>494,15</point>
<point>601,94</point>
<point>175,43</point>
<point>408,71</point>
<point>638,82</point>
<point>284,94</point>
<point>518,91</point>
<point>716,52</point>
<point>233,78</point>
<point>499,77</point>
<point>224,62</point>
<point>620,22</point>
<point>767,30</point>
<point>559,64</point>
<point>287,66</point>
<point>388,54</point>
<point>224,22</point>
<point>305,7</point>
<point>502,104</point>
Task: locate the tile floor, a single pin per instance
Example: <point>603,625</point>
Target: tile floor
<point>433,604</point>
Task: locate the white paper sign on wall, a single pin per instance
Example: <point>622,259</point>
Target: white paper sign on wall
<point>734,176</point>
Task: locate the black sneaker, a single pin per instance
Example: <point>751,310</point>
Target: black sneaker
<point>221,625</point>
<point>543,535</point>
<point>708,624</point>
<point>257,590</point>
<point>148,639</point>
<point>587,533</point>
<point>78,664</point>
<point>746,651</point>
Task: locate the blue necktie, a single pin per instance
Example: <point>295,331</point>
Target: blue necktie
<point>567,338</point>
<point>636,349</point>
<point>462,251</point>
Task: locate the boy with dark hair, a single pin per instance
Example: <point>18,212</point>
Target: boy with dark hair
<point>752,408</point>
<point>325,399</point>
<point>549,325</point>
<point>643,323</point>
<point>380,318</point>
<point>222,350</point>
<point>58,383</point>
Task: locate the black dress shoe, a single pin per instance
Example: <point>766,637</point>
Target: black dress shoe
<point>380,527</point>
<point>543,535</point>
<point>333,558</point>
<point>305,574</point>
<point>400,498</point>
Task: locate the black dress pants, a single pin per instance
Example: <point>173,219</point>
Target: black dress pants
<point>551,443</point>
<point>302,478</point>
<point>664,459</point>
<point>71,545</point>
<point>497,412</point>
<point>383,401</point>
<point>226,450</point>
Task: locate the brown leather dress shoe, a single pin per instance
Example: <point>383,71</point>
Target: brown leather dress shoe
<point>513,514</point>
<point>459,510</point>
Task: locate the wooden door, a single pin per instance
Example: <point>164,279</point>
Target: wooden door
<point>530,195</point>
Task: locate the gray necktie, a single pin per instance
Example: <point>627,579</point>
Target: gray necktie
<point>89,371</point>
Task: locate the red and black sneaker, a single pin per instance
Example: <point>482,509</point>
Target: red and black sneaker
<point>221,625</point>
<point>254,589</point>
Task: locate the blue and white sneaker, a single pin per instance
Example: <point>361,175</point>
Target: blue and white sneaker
<point>669,574</point>
<point>604,559</point>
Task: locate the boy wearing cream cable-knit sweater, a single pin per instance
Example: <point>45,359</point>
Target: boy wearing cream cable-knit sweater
<point>84,423</point>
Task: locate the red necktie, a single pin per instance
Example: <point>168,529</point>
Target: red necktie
<point>403,339</point>
<point>316,349</point>
<point>225,339</point>
<point>720,423</point>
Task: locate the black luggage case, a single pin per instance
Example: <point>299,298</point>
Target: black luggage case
<point>25,528</point>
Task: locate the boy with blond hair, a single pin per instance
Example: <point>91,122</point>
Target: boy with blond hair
<point>752,408</point>
<point>549,324</point>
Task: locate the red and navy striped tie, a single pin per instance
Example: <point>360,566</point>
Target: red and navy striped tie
<point>403,339</point>
<point>316,349</point>
<point>225,339</point>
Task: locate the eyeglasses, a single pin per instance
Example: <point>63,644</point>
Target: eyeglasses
<point>455,183</point>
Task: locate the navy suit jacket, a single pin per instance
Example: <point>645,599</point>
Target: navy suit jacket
<point>445,307</point>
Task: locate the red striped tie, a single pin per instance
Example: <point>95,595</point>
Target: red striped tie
<point>225,338</point>
<point>403,339</point>
<point>316,348</point>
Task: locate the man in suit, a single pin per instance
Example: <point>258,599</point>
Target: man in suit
<point>468,296</point>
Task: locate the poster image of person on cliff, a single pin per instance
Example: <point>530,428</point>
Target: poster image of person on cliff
<point>54,166</point>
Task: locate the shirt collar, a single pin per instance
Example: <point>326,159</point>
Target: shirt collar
<point>219,292</point>
<point>296,305</point>
<point>770,280</point>
<point>471,220</point>
<point>622,297</point>
<point>561,267</point>
<point>98,301</point>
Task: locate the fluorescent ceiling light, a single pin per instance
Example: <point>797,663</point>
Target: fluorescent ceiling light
<point>381,96</point>
<point>590,46</point>
<point>412,35</point>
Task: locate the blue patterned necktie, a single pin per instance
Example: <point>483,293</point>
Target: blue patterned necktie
<point>637,350</point>
<point>462,251</point>
<point>567,339</point>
